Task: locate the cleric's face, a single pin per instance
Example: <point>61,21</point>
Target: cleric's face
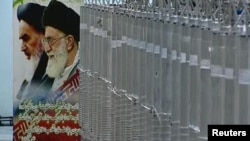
<point>55,46</point>
<point>31,40</point>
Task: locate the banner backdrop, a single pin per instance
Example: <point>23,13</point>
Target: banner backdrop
<point>46,74</point>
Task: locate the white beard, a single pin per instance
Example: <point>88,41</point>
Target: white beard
<point>57,64</point>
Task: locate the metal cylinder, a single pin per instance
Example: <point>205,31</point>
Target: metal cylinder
<point>205,68</point>
<point>195,79</point>
<point>176,73</point>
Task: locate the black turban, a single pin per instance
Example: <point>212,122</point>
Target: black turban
<point>63,18</point>
<point>32,14</point>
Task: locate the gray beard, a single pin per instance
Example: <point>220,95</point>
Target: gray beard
<point>57,64</point>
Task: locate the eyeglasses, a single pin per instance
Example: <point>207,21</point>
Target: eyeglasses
<point>50,41</point>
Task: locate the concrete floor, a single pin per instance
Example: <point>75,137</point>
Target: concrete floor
<point>6,133</point>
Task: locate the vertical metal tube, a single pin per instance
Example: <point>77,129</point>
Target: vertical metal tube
<point>150,65</point>
<point>126,52</point>
<point>141,78</point>
<point>144,77</point>
<point>185,77</point>
<point>176,79</point>
<point>105,65</point>
<point>195,79</point>
<point>91,15</point>
<point>244,80</point>
<point>95,84</point>
<point>114,46</point>
<point>217,80</point>
<point>123,50</point>
<point>205,66</point>
<point>136,86</point>
<point>129,106</point>
<point>230,79</point>
<point>166,84</point>
<point>118,50</point>
<point>163,116</point>
<point>95,41</point>
<point>99,96</point>
<point>156,97</point>
<point>236,96</point>
<point>122,102</point>
<point>116,98</point>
